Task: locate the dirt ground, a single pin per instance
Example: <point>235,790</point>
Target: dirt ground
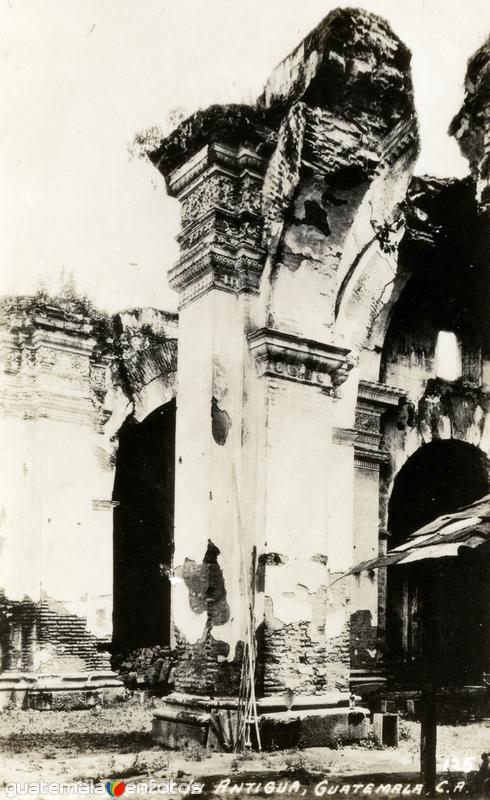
<point>115,743</point>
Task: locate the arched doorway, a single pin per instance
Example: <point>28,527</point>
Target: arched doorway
<point>438,479</point>
<point>143,530</point>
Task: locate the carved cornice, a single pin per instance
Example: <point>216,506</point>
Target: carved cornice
<point>379,394</point>
<point>234,160</point>
<point>216,270</point>
<point>48,405</point>
<point>220,191</point>
<point>372,400</point>
<point>231,125</point>
<point>233,228</point>
<point>290,357</point>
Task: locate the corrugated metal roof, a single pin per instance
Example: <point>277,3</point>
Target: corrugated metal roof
<point>444,537</point>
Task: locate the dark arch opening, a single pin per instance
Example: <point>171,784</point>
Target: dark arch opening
<point>143,530</point>
<point>439,478</point>
<point>438,609</point>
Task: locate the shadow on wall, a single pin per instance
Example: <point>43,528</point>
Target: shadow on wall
<point>143,530</point>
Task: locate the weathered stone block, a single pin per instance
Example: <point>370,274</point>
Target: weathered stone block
<point>313,728</point>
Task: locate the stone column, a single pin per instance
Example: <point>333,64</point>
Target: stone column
<point>368,598</point>
<point>304,541</point>
<point>297,382</point>
<point>219,190</point>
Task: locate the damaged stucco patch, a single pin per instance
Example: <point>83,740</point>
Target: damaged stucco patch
<point>363,639</point>
<point>297,656</point>
<point>206,586</point>
<point>267,559</point>
<point>303,640</point>
<point>220,422</point>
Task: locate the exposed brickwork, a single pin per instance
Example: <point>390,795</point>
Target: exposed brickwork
<point>18,634</point>
<point>45,631</point>
<point>204,668</point>
<point>291,659</point>
<point>71,642</point>
<point>307,657</point>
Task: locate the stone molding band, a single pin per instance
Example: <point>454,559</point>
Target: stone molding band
<point>284,355</point>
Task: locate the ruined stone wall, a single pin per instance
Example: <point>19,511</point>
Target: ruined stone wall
<point>444,256</point>
<point>70,376</point>
<point>448,291</point>
<point>333,196</point>
<point>471,127</point>
<point>299,612</point>
<point>441,285</point>
<point>56,508</point>
<point>207,609</point>
<point>291,220</point>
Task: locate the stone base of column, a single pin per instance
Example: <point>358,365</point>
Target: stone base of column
<point>311,721</point>
<point>58,691</point>
<point>186,719</point>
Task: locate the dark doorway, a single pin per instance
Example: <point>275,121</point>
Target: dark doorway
<point>438,479</point>
<point>143,530</point>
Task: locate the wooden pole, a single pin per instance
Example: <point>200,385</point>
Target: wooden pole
<point>247,713</point>
<point>430,679</point>
<point>428,738</point>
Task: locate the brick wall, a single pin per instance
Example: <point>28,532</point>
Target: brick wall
<point>45,634</point>
<point>291,659</point>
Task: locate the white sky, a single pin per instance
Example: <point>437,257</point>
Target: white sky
<point>79,77</point>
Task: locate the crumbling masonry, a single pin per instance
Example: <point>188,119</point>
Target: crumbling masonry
<point>315,279</point>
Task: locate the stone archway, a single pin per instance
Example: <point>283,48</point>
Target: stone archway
<point>438,478</point>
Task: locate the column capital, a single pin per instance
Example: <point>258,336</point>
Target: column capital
<point>284,355</point>
<point>220,192</point>
<point>372,400</point>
